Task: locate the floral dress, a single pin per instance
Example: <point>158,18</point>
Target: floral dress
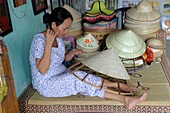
<point>58,81</point>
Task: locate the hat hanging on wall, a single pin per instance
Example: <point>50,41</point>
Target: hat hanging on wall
<point>108,63</point>
<point>126,43</point>
<point>143,12</point>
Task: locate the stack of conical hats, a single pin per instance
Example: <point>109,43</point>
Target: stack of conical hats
<point>76,27</point>
<point>89,44</point>
<point>99,21</point>
<point>143,19</point>
<point>156,46</point>
<point>126,43</point>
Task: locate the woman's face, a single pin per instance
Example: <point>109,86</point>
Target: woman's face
<point>62,29</point>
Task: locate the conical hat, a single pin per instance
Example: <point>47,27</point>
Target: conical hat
<point>108,63</point>
<point>76,25</point>
<point>143,29</point>
<point>145,26</point>
<point>76,15</point>
<point>155,43</point>
<point>131,21</point>
<point>87,42</point>
<point>99,7</point>
<point>143,12</point>
<point>126,43</point>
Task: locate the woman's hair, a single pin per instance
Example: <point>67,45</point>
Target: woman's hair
<point>58,15</point>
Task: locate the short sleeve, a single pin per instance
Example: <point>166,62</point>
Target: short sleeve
<point>39,48</point>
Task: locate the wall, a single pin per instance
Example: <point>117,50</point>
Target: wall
<point>25,24</point>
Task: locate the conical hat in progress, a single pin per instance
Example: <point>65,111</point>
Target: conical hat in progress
<point>108,63</point>
<point>76,15</point>
<point>126,43</point>
<point>143,12</point>
<point>87,42</point>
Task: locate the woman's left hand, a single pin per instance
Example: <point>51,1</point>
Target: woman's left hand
<point>76,51</point>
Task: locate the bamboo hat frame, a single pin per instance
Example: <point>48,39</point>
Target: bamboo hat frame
<point>105,63</point>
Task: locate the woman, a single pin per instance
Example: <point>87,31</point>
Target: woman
<point>52,79</point>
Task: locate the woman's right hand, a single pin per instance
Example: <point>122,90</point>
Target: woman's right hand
<point>50,36</point>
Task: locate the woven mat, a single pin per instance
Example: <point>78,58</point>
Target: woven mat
<point>155,76</point>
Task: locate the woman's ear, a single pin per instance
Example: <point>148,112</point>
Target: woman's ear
<point>53,25</point>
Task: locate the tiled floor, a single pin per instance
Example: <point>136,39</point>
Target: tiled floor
<point>168,48</point>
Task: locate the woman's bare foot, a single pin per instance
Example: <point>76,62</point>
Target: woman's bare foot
<point>127,88</point>
<point>131,102</point>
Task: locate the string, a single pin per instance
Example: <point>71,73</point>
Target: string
<point>9,1</point>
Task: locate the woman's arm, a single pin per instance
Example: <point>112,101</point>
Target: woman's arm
<point>72,53</point>
<point>44,63</point>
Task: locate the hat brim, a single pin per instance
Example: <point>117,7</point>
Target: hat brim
<point>135,14</point>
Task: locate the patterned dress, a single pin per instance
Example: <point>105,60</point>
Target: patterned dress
<point>58,81</point>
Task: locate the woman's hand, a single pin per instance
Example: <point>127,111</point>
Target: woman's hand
<point>72,53</point>
<point>44,63</point>
<point>76,51</point>
<point>50,37</point>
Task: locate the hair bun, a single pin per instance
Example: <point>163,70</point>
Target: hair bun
<point>46,18</point>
